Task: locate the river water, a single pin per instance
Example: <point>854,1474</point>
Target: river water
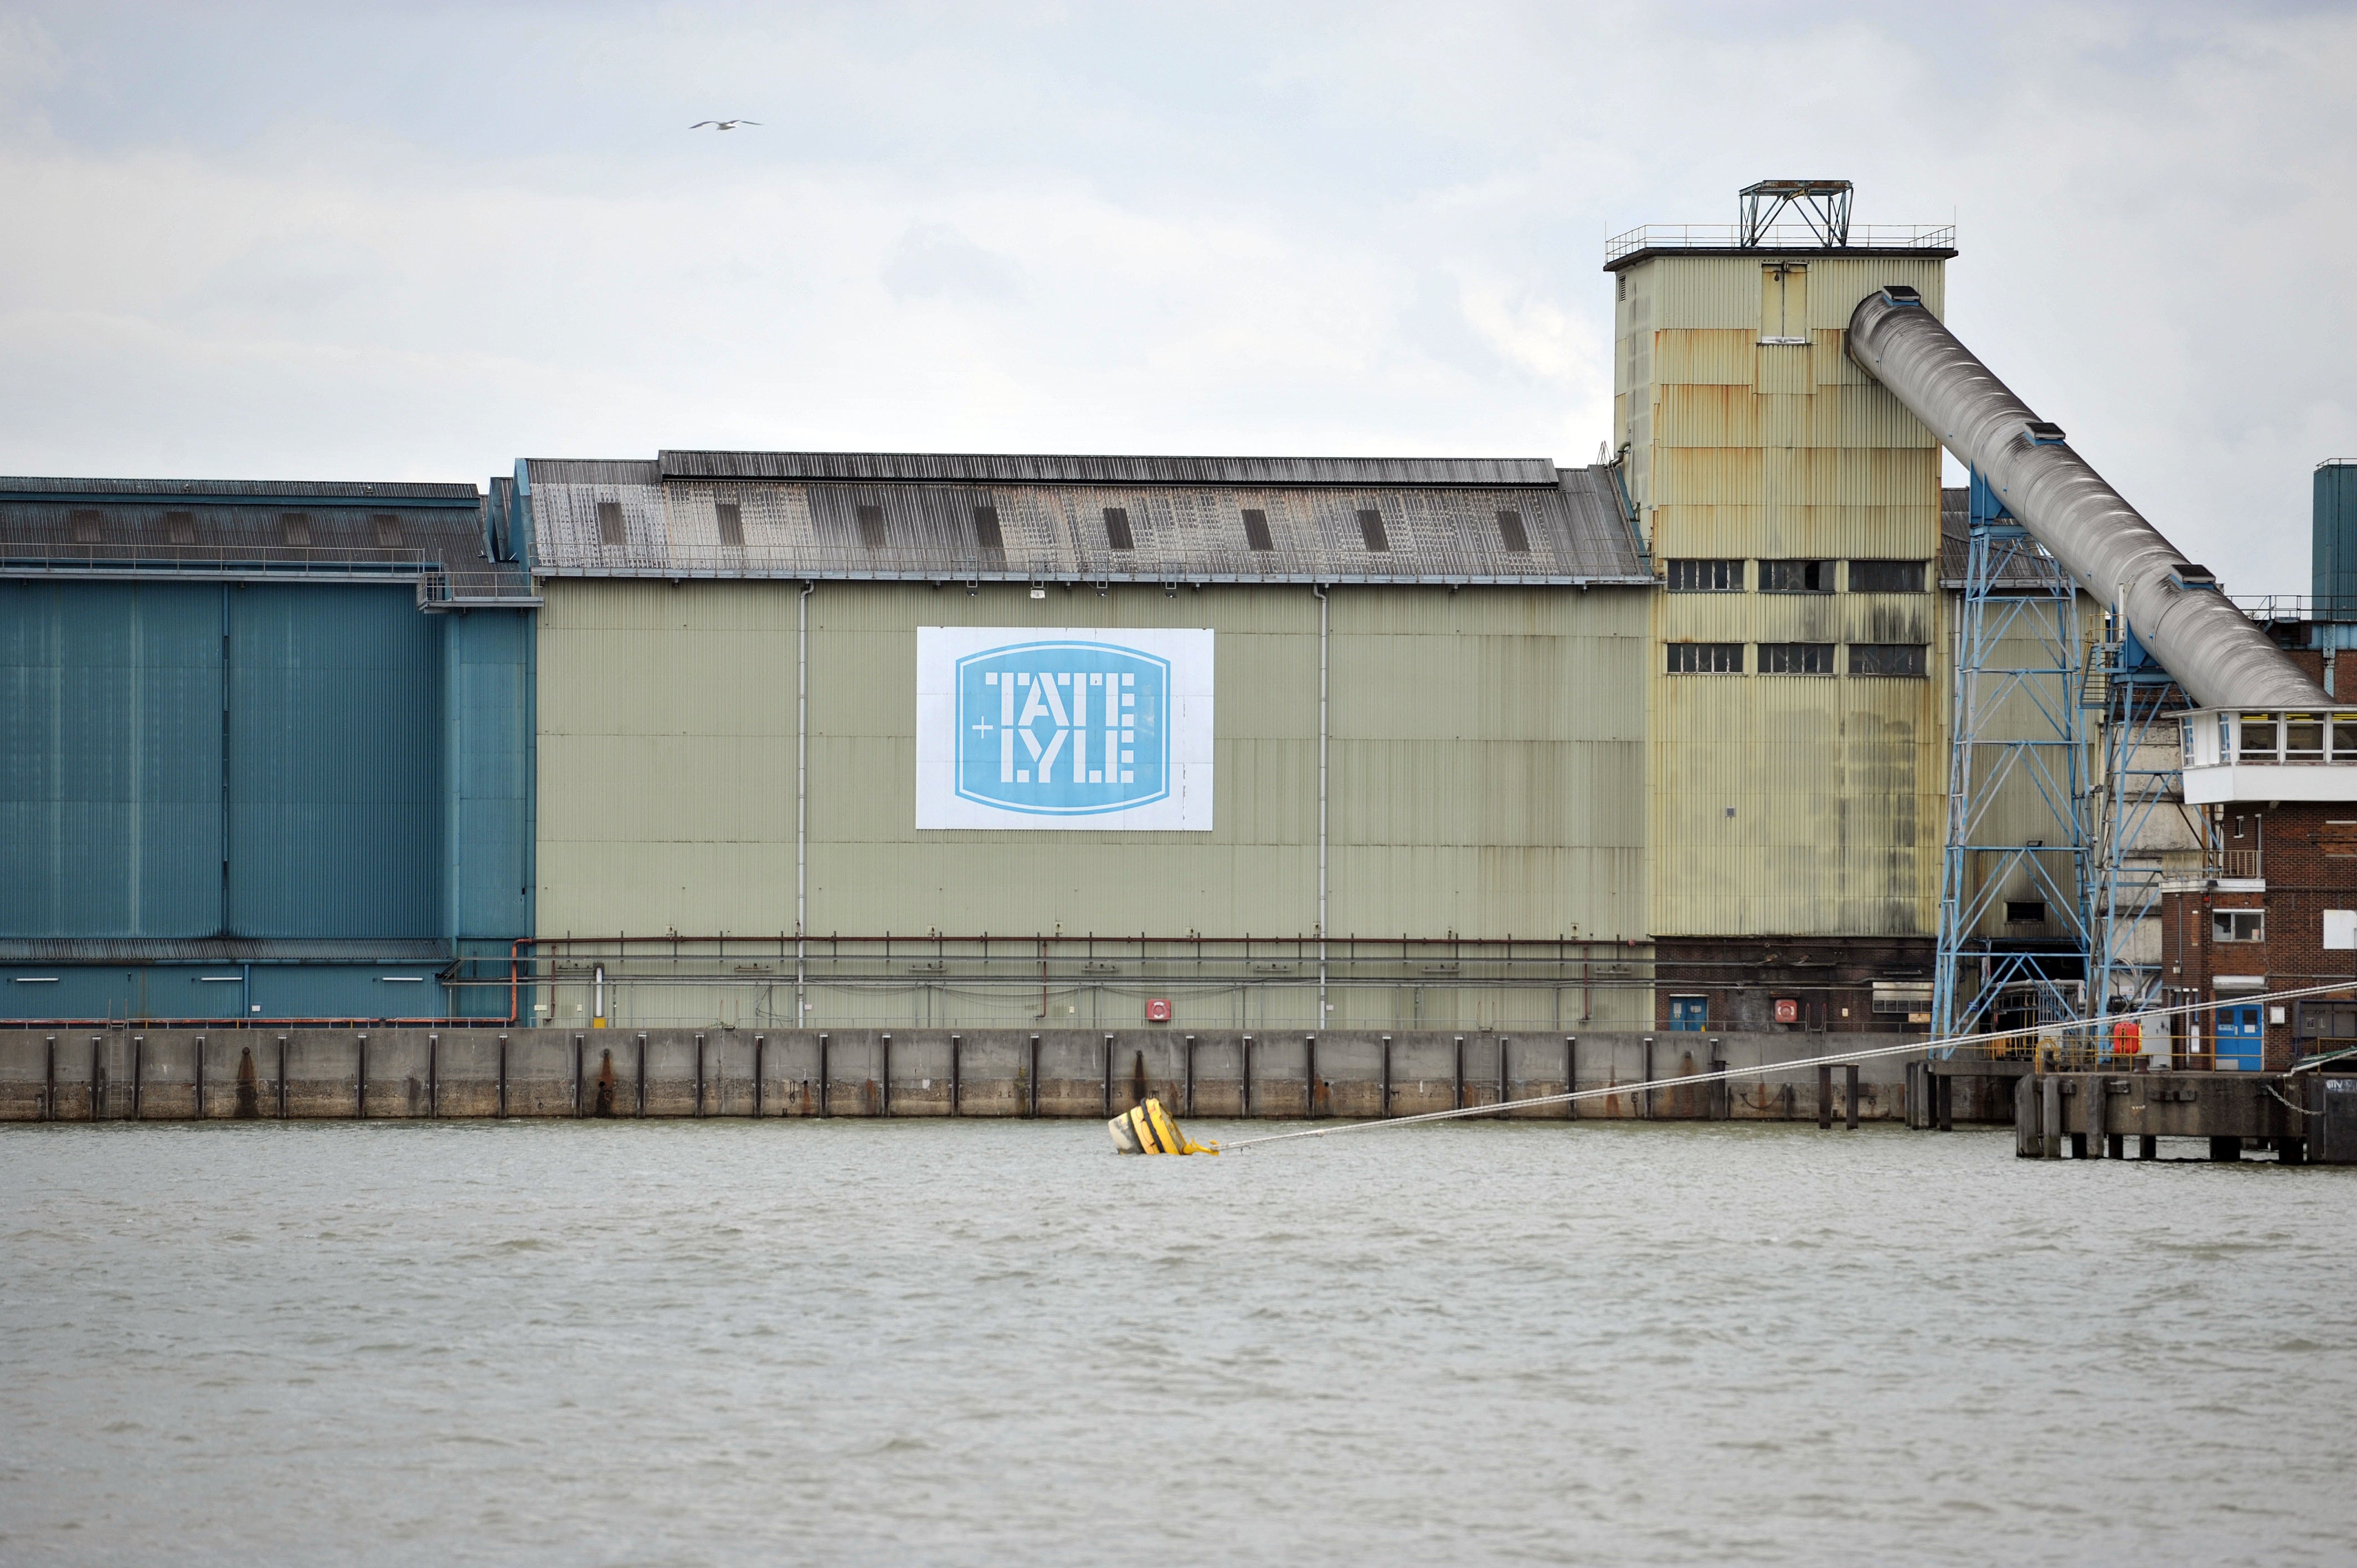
<point>925,1342</point>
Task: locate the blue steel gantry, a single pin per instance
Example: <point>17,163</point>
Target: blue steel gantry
<point>2021,829</point>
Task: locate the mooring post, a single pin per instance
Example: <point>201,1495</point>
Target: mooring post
<point>643,1076</point>
<point>1033,1084</point>
<point>1503,1046</point>
<point>1190,1075</point>
<point>1457,1079</point>
<point>826,1103</point>
<point>884,1080</point>
<point>359,1080</point>
<point>1243,1078</point>
<point>1824,1097</point>
<point>97,1078</point>
<point>200,1078</point>
<point>1108,1075</point>
<point>1849,1077</point>
<point>2097,1092</point>
<point>1649,1078</point>
<point>1309,1074</point>
<point>138,1071</point>
<point>699,1075</point>
<point>1571,1076</point>
<point>760,1043</point>
<point>434,1076</point>
<point>956,1049</point>
<point>1722,1093</point>
<point>1385,1097</point>
<point>282,1078</point>
<point>581,1049</point>
<point>50,1084</point>
<point>503,1076</point>
<point>2049,1118</point>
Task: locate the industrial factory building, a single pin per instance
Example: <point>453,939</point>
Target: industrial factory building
<point>1743,729</point>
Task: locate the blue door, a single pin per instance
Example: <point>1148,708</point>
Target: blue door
<point>2240,1039</point>
<point>1689,1013</point>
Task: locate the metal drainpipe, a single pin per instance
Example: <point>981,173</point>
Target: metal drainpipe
<point>1319,589</point>
<point>801,804</point>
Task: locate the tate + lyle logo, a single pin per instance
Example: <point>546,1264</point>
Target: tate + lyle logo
<point>1064,728</point>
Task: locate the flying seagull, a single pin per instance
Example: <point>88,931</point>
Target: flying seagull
<point>722,124</point>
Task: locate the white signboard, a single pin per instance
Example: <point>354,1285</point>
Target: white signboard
<point>2340,929</point>
<point>1074,728</point>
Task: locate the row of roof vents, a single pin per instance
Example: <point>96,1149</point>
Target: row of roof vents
<point>89,526</point>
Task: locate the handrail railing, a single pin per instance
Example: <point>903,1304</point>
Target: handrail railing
<point>1795,237</point>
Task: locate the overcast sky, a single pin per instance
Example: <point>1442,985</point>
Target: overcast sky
<point>420,242</point>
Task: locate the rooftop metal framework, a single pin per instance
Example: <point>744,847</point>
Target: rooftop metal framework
<point>1821,205</point>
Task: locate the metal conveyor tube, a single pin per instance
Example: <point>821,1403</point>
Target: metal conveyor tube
<point>2196,633</point>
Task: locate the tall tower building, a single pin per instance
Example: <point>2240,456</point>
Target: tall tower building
<point>1800,677</point>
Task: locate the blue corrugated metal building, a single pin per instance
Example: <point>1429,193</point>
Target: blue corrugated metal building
<point>265,750</point>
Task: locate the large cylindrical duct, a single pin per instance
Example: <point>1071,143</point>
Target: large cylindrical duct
<point>2221,659</point>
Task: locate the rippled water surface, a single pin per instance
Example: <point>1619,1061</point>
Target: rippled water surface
<point>998,1342</point>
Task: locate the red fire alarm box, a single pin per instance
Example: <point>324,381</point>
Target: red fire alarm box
<point>1788,1011</point>
<point>1158,1010</point>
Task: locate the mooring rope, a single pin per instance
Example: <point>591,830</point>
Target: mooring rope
<point>1765,1069</point>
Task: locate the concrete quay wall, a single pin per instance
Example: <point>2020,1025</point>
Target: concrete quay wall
<point>127,1072</point>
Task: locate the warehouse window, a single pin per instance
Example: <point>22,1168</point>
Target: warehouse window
<point>2328,1021</point>
<point>871,527</point>
<point>1370,529</point>
<point>1512,533</point>
<point>1118,535</point>
<point>1885,576</point>
<point>986,528</point>
<point>1796,577</point>
<point>1705,658</point>
<point>1256,529</point>
<point>298,527</point>
<point>1705,576</point>
<point>2238,925</point>
<point>730,517</point>
<point>609,524</point>
<point>1886,659</point>
<point>2025,911</point>
<point>1796,659</point>
<point>183,526</point>
<point>86,526</point>
<point>387,530</point>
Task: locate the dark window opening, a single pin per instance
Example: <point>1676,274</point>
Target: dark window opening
<point>1796,659</point>
<point>986,528</point>
<point>183,525</point>
<point>2025,911</point>
<point>86,526</point>
<point>1117,535</point>
<point>1370,530</point>
<point>1885,576</point>
<point>1705,658</point>
<point>1796,577</point>
<point>387,530</point>
<point>1886,659</point>
<point>871,527</point>
<point>610,529</point>
<point>297,526</point>
<point>1256,533</point>
<point>2328,1021</point>
<point>1705,576</point>
<point>730,518</point>
<point>1511,532</point>
<point>2238,925</point>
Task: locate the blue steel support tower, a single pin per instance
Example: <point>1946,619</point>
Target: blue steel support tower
<point>2018,832</point>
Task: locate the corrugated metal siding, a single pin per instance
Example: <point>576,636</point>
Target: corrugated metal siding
<point>1837,783</point>
<point>1573,522</point>
<point>1017,470</point>
<point>335,762</point>
<point>1485,771</point>
<point>487,741</point>
<point>110,759</point>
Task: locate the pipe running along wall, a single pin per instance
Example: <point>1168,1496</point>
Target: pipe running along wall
<point>2196,633</point>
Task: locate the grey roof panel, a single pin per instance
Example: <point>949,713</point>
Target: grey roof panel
<point>1191,531</point>
<point>967,468</point>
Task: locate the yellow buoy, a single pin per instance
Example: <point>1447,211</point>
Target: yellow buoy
<point>1148,1128</point>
